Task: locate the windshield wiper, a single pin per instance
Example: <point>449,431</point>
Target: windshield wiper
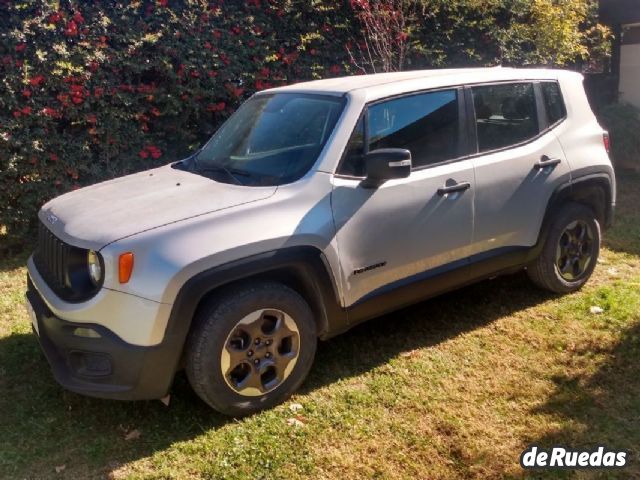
<point>231,172</point>
<point>243,173</point>
<point>202,169</point>
<point>219,168</point>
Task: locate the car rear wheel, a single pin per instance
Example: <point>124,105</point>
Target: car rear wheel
<point>570,252</point>
<point>251,348</point>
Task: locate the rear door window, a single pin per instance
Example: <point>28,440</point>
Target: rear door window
<point>505,115</point>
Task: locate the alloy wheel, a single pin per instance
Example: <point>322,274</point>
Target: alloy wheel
<point>260,352</point>
<point>574,252</point>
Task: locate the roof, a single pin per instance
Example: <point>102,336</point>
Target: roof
<point>383,84</point>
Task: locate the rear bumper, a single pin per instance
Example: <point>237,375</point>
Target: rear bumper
<point>104,366</point>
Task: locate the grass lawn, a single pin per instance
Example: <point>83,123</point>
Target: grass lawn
<point>455,387</point>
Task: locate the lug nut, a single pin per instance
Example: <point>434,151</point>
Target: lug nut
<point>256,361</point>
<point>268,342</point>
<point>257,342</point>
<point>267,355</point>
<point>250,353</point>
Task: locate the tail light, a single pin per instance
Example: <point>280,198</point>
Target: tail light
<point>606,141</point>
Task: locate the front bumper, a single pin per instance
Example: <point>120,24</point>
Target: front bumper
<point>104,366</point>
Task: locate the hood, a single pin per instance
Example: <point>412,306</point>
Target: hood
<point>95,216</point>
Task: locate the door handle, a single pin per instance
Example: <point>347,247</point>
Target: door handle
<point>546,162</point>
<point>458,187</point>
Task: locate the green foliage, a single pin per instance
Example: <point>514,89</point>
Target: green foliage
<point>93,90</point>
<point>510,32</point>
<point>622,120</point>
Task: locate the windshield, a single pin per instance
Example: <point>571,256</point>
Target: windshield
<point>270,140</point>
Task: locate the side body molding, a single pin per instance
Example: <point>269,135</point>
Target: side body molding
<point>592,188</point>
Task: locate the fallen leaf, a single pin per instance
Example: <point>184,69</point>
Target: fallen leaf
<point>60,468</point>
<point>294,422</point>
<point>132,435</point>
<point>295,407</point>
<point>596,310</point>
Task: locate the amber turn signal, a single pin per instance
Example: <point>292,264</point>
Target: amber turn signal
<point>125,267</point>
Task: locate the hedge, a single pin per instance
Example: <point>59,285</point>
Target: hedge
<point>93,90</point>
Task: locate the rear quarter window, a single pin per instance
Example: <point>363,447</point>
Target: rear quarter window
<point>553,102</point>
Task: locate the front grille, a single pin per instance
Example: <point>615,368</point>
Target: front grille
<point>52,259</point>
<point>63,267</point>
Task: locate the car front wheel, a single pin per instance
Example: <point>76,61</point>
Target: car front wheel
<point>250,348</point>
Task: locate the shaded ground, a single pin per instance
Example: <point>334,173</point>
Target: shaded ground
<point>454,387</point>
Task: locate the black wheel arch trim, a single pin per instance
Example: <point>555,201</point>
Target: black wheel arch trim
<point>579,189</point>
<point>305,267</point>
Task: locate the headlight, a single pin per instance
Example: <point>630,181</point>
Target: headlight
<point>95,267</point>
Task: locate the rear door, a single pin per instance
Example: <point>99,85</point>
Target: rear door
<point>520,161</point>
<point>389,235</point>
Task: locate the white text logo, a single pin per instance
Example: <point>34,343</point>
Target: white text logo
<point>561,457</point>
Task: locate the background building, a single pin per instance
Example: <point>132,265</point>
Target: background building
<point>623,16</point>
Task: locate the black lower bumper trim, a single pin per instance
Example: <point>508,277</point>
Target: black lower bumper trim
<point>104,366</point>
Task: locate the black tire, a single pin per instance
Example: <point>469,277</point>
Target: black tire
<point>214,325</point>
<point>545,271</point>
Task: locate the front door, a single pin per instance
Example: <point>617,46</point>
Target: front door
<point>388,235</point>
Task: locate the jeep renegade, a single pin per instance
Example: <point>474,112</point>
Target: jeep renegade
<point>314,207</point>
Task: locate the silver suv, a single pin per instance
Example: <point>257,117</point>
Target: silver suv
<point>314,207</point>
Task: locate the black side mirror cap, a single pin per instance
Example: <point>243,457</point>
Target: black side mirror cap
<point>386,164</point>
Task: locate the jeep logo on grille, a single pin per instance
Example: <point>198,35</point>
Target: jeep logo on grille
<point>51,218</point>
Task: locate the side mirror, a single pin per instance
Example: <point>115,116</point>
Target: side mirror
<point>386,164</point>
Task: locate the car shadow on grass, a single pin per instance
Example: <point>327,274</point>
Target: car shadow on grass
<point>429,323</point>
<point>42,424</point>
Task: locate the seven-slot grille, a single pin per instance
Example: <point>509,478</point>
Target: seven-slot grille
<point>51,258</point>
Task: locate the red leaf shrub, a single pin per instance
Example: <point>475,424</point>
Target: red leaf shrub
<point>93,90</point>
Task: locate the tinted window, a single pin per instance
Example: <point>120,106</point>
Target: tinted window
<point>353,163</point>
<point>553,102</point>
<point>426,125</point>
<point>505,115</point>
